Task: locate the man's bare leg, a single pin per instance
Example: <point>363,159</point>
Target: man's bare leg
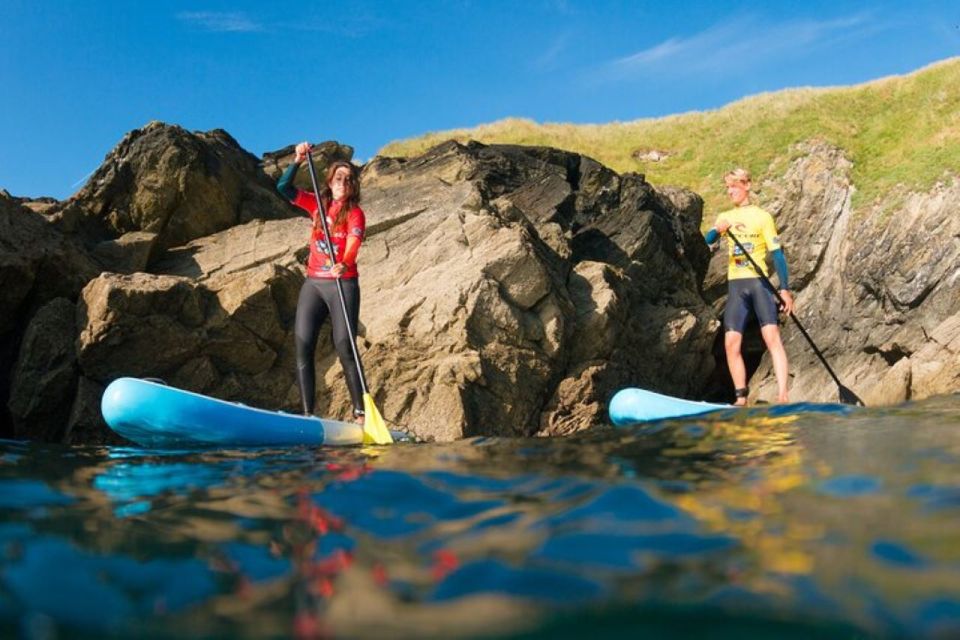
<point>771,337</point>
<point>732,341</point>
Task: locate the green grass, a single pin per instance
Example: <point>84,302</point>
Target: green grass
<point>902,134</point>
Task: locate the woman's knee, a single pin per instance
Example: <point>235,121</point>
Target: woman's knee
<point>344,350</point>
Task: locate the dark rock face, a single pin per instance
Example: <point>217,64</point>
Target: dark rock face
<point>85,424</point>
<point>37,265</point>
<point>18,228</point>
<point>45,373</point>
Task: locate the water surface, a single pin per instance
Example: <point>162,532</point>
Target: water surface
<point>842,524</point>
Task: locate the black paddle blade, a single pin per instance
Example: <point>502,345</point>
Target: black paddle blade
<point>849,397</point>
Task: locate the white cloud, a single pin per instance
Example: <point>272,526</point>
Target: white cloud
<point>221,21</point>
<point>355,24</point>
<point>738,44</point>
<point>549,56</point>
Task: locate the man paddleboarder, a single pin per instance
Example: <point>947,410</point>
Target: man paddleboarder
<point>750,291</point>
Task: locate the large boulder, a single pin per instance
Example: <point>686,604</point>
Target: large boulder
<point>218,318</point>
<point>139,324</point>
<point>487,267</point>
<point>173,183</point>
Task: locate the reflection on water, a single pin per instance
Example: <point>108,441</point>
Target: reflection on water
<point>771,524</point>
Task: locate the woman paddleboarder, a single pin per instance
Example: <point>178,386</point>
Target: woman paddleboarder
<point>319,297</point>
<point>750,291</point>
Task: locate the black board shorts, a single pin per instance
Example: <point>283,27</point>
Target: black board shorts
<point>746,295</point>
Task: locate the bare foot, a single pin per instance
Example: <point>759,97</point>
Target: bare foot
<point>740,402</point>
<point>359,418</point>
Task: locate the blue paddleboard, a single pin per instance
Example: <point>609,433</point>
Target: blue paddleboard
<point>630,406</point>
<point>156,415</point>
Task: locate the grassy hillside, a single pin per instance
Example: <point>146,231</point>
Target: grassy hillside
<point>902,133</point>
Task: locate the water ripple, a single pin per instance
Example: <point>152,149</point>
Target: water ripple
<point>767,523</point>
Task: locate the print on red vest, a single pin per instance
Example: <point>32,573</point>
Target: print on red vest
<point>318,264</point>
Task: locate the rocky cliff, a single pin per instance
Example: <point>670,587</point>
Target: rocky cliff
<point>878,290</point>
<point>506,290</point>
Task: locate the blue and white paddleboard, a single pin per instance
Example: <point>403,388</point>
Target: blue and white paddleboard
<point>630,406</point>
<point>156,415</point>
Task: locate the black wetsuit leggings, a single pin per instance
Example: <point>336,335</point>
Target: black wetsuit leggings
<point>318,300</point>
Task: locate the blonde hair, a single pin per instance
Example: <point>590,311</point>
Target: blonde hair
<point>737,175</point>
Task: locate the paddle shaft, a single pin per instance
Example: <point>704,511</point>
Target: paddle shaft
<point>322,212</point>
<point>793,317</point>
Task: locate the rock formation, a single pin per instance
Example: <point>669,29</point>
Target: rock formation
<point>38,265</point>
<point>178,185</point>
<point>510,289</point>
<point>506,290</point>
<point>878,290</point>
<point>487,305</point>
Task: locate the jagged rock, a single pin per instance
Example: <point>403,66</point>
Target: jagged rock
<point>41,204</point>
<point>935,367</point>
<point>480,300</point>
<point>19,229</point>
<point>234,251</point>
<point>274,162</point>
<point>689,213</point>
<point>253,275</point>
<point>870,292</point>
<point>127,254</point>
<point>138,325</point>
<point>812,208</point>
<point>45,376</point>
<point>37,265</point>
<point>892,388</point>
<point>470,319</point>
<point>227,301</point>
<point>507,290</point>
<point>180,185</point>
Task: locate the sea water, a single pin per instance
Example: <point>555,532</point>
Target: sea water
<point>758,525</point>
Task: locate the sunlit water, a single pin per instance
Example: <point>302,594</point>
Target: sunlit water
<point>821,525</point>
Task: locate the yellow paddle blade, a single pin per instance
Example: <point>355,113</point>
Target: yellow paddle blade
<point>374,429</point>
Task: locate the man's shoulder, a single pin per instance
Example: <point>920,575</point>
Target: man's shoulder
<point>754,213</point>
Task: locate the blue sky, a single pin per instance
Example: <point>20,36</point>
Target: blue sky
<point>76,76</point>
